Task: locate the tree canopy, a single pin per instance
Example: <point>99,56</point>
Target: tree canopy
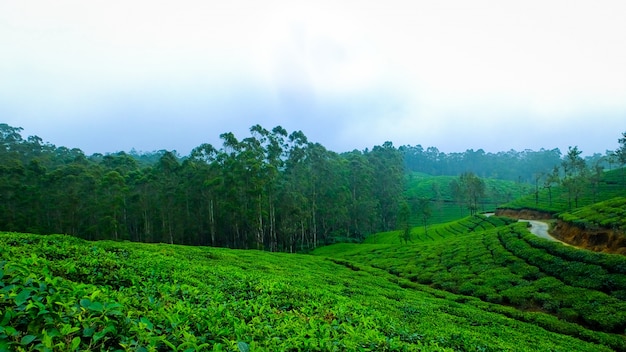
<point>271,190</point>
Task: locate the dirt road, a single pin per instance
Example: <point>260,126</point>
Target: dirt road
<point>540,229</point>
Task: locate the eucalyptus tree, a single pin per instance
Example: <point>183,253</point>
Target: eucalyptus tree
<point>550,181</point>
<point>404,214</point>
<point>235,204</point>
<point>424,211</point>
<point>273,152</point>
<point>320,170</point>
<point>472,190</point>
<point>167,184</point>
<point>574,169</point>
<point>71,202</point>
<point>334,197</point>
<point>620,154</point>
<point>293,199</point>
<point>113,203</point>
<point>205,158</point>
<point>595,177</point>
<point>362,204</point>
<point>388,167</point>
<point>143,203</point>
<point>10,137</point>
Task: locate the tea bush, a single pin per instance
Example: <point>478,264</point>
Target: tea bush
<point>59,293</point>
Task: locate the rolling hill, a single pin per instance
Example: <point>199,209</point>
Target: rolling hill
<point>562,289</point>
<point>63,293</point>
<point>445,208</point>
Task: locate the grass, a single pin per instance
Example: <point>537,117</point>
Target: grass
<point>60,293</point>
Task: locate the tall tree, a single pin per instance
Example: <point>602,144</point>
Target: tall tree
<point>620,154</point>
<point>550,180</point>
<point>574,169</point>
<point>404,215</point>
<point>388,168</point>
<point>362,201</point>
<point>424,211</point>
<point>472,189</point>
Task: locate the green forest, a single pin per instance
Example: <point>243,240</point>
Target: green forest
<point>388,248</point>
<point>271,190</point>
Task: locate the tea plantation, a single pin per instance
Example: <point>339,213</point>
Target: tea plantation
<point>493,288</point>
<point>560,288</point>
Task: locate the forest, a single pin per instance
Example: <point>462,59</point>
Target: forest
<point>272,190</point>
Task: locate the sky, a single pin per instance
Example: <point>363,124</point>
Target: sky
<point>108,76</point>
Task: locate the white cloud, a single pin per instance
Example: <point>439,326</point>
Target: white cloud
<point>373,70</point>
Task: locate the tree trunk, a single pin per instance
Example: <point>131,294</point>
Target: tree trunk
<point>212,222</point>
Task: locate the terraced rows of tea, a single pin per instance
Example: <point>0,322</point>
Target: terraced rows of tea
<point>610,214</point>
<point>436,232</point>
<point>59,293</point>
<point>508,266</point>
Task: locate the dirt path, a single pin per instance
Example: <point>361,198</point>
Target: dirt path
<point>538,228</point>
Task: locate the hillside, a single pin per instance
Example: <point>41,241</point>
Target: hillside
<point>63,293</point>
<point>555,200</point>
<point>594,220</point>
<point>559,288</point>
<point>600,226</point>
<point>444,206</point>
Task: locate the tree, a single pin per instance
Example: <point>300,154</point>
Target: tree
<point>538,177</point>
<point>167,182</point>
<point>113,190</point>
<point>551,180</point>
<point>388,166</point>
<point>424,212</point>
<point>271,190</point>
<point>574,168</point>
<point>404,215</point>
<point>457,193</point>
<point>362,201</point>
<point>10,137</point>
<point>620,153</point>
<point>595,177</point>
<point>472,190</point>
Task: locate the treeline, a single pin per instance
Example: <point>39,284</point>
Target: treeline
<point>273,190</point>
<point>519,166</point>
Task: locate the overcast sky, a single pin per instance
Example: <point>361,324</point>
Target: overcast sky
<point>107,76</point>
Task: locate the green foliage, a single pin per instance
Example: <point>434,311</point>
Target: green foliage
<point>444,207</point>
<point>63,293</point>
<point>501,263</point>
<point>442,231</point>
<point>609,214</point>
<point>272,190</point>
<point>510,165</point>
<point>610,185</point>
